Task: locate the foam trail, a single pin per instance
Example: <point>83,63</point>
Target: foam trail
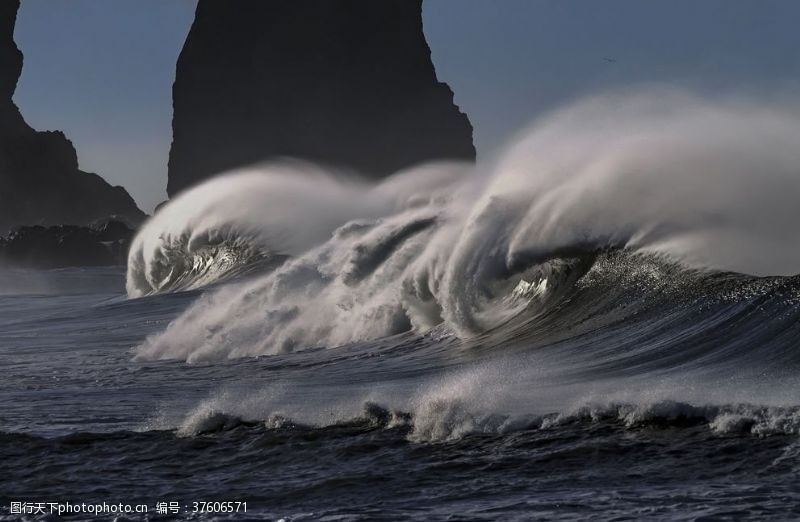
<point>711,184</point>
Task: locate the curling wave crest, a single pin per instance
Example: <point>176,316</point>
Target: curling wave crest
<point>666,178</point>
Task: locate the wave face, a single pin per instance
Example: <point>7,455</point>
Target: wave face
<point>660,175</point>
<point>613,337</point>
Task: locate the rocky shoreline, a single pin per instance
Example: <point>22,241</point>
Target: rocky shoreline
<point>62,246</point>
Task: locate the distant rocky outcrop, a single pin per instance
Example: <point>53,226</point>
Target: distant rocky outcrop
<point>40,183</point>
<point>348,83</point>
<point>60,246</point>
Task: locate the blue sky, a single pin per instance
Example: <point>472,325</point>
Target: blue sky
<point>102,70</point>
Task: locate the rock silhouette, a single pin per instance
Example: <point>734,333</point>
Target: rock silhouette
<point>348,83</point>
<point>40,183</point>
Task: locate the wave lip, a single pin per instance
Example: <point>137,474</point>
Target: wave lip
<point>271,211</point>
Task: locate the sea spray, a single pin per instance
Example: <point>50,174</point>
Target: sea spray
<point>709,184</point>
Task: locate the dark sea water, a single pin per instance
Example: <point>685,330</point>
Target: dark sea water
<point>621,399</point>
<point>576,330</point>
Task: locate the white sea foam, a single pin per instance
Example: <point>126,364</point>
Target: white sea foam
<point>508,396</point>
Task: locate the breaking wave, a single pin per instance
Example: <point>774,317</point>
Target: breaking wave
<point>451,421</point>
<point>684,187</point>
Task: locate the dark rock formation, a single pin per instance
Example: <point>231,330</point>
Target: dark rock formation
<point>39,178</point>
<point>67,245</point>
<point>347,83</point>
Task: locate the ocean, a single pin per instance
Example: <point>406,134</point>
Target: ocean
<point>598,326</point>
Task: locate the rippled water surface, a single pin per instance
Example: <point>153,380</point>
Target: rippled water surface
<point>679,405</point>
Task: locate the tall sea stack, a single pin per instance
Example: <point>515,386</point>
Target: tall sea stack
<point>40,183</point>
<point>348,83</point>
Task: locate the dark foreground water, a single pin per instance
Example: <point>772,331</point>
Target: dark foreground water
<point>619,399</point>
